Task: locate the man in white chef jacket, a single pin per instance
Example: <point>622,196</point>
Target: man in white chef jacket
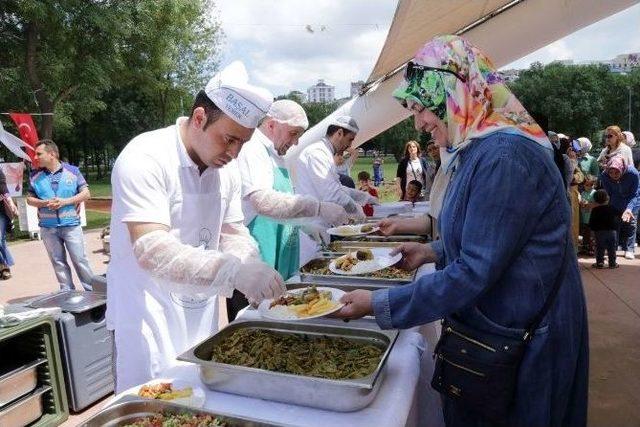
<point>177,237</point>
<point>270,208</point>
<point>316,176</point>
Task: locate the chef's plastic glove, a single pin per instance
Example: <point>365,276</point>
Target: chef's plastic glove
<point>371,200</point>
<point>258,281</point>
<point>317,231</point>
<point>333,214</point>
<point>355,212</point>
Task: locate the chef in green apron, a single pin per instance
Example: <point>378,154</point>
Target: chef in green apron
<point>268,202</point>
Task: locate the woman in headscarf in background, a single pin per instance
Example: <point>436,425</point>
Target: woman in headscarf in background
<point>505,240</point>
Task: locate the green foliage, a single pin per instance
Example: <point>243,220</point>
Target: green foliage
<point>107,69</point>
<point>579,100</point>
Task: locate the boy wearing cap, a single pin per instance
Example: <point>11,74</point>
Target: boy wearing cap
<point>316,175</point>
<point>177,237</point>
<point>268,202</point>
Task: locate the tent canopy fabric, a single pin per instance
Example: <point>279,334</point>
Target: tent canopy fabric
<point>505,30</point>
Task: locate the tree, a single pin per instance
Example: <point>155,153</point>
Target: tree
<point>578,100</point>
<point>107,69</point>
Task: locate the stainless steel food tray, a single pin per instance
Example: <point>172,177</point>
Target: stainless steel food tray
<point>128,411</point>
<point>19,381</point>
<point>347,287</point>
<point>346,279</point>
<point>335,395</point>
<point>399,238</point>
<point>25,410</point>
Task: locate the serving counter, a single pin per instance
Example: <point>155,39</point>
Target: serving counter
<point>404,397</point>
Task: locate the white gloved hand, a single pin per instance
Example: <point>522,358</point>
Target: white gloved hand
<point>317,231</point>
<point>258,281</point>
<point>371,200</point>
<point>356,213</point>
<point>333,214</point>
<point>361,197</point>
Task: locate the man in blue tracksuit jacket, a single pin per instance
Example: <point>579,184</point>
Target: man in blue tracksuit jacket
<point>56,189</point>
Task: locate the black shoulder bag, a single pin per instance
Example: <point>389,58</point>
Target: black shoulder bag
<point>480,369</point>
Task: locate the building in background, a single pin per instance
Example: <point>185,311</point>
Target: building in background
<point>509,75</point>
<point>321,92</point>
<point>356,87</point>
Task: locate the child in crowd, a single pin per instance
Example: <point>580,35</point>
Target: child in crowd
<point>364,184</point>
<point>586,198</point>
<point>604,223</point>
<point>414,188</point>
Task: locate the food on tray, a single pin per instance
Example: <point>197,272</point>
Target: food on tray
<point>321,267</point>
<point>309,302</point>
<point>299,353</point>
<point>345,230</point>
<point>366,228</point>
<point>168,419</point>
<point>364,254</point>
<point>163,391</point>
<point>346,262</point>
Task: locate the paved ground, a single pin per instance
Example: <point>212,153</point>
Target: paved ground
<point>613,298</point>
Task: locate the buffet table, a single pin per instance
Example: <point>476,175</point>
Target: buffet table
<point>404,398</point>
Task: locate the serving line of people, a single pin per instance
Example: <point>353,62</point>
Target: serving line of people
<point>180,239</point>
<point>179,236</point>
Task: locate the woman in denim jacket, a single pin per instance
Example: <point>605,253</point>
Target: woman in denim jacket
<point>504,230</point>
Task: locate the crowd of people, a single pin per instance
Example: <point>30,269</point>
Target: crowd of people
<point>612,176</point>
<point>206,208</point>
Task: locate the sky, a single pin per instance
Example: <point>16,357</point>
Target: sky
<point>289,44</point>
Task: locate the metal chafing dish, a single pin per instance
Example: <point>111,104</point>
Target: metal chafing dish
<point>323,261</point>
<point>25,410</point>
<point>397,238</point>
<point>19,381</point>
<point>128,411</point>
<point>337,395</point>
<point>347,287</point>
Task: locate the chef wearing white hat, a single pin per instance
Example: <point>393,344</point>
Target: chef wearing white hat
<point>271,210</point>
<point>177,234</point>
<point>316,176</point>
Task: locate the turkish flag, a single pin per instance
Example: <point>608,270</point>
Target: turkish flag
<point>28,133</point>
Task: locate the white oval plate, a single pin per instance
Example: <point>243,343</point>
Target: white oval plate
<point>381,259</point>
<point>196,400</point>
<point>280,312</point>
<point>350,230</point>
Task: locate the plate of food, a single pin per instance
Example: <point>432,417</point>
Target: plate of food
<point>302,304</point>
<point>352,230</point>
<point>363,261</point>
<point>171,390</point>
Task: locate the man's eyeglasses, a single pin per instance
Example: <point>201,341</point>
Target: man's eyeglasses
<point>413,69</point>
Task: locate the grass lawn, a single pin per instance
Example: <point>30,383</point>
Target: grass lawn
<point>386,192</point>
<point>97,219</point>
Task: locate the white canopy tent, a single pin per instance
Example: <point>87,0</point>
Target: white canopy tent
<point>505,29</point>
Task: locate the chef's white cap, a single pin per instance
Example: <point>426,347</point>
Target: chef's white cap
<point>231,92</point>
<point>289,112</point>
<point>345,122</point>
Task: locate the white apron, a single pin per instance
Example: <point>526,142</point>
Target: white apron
<point>170,322</point>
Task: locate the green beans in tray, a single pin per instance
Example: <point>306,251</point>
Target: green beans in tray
<point>168,419</point>
<point>300,354</point>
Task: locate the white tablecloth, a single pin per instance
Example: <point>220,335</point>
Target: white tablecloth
<point>391,407</point>
<point>404,399</point>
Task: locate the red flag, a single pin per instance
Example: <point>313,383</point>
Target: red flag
<point>28,133</point>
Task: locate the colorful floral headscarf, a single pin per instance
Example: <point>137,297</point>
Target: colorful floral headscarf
<point>459,84</point>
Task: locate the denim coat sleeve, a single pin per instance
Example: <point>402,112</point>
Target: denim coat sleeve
<point>496,224</point>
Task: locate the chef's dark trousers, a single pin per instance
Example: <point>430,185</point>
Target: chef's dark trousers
<point>236,303</point>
